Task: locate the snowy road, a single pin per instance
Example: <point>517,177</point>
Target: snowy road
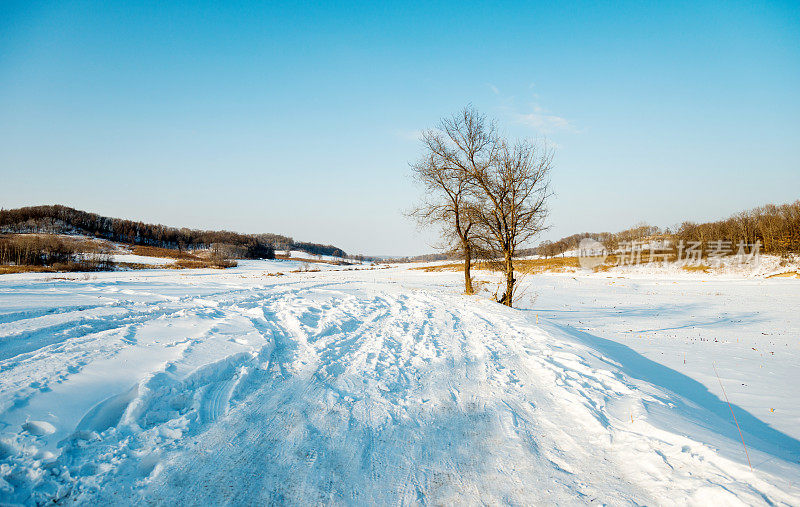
<point>381,386</point>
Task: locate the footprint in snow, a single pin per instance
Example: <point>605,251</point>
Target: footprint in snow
<point>39,428</point>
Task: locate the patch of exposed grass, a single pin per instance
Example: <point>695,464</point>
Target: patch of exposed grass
<point>8,270</point>
<point>164,253</point>
<point>455,266</point>
<point>59,267</point>
<point>313,261</point>
<point>84,267</point>
<point>787,274</point>
<point>553,264</point>
<point>180,264</point>
<point>702,268</point>
<point>202,263</point>
<point>136,265</point>
<point>527,266</point>
<point>556,264</point>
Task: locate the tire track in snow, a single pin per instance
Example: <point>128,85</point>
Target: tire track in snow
<point>431,481</point>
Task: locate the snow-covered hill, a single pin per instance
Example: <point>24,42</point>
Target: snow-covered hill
<point>350,386</point>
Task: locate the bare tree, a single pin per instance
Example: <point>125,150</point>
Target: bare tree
<point>489,196</point>
<point>462,146</point>
<point>514,189</point>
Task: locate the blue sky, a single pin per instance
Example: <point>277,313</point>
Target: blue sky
<point>301,119</point>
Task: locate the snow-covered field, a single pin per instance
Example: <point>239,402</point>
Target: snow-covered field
<point>300,254</point>
<point>748,329</point>
<point>388,386</point>
<point>141,259</point>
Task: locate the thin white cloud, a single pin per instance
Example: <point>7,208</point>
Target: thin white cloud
<point>409,135</point>
<point>534,116</point>
<point>545,123</point>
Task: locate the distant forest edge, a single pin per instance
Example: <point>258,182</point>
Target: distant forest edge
<point>58,219</point>
<point>776,227</point>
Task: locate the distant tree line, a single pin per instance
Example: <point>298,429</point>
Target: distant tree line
<point>776,227</point>
<point>608,239</point>
<point>317,249</point>
<point>57,219</point>
<point>428,257</point>
<point>33,250</point>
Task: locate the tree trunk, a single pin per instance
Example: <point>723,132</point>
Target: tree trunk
<point>467,265</point>
<point>508,300</point>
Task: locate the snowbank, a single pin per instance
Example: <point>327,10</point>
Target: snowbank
<point>141,259</point>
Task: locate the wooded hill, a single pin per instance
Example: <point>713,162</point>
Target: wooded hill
<point>776,227</point>
<point>57,219</point>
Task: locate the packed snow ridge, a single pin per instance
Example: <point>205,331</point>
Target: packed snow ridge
<point>347,387</point>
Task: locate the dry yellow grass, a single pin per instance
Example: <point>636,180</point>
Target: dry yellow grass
<point>603,268</point>
<point>8,270</point>
<point>455,266</point>
<point>75,267</point>
<point>553,264</point>
<point>181,264</point>
<point>59,267</point>
<point>527,266</point>
<point>787,274</point>
<point>550,265</point>
<point>312,261</point>
<point>702,268</point>
<point>201,263</point>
